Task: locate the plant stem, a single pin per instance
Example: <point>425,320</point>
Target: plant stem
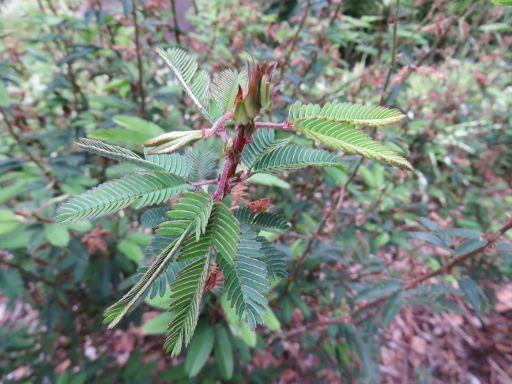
<point>22,145</point>
<point>393,53</point>
<point>142,94</point>
<point>175,20</point>
<point>293,41</point>
<point>286,126</point>
<point>232,160</point>
<point>336,12</point>
<point>218,127</point>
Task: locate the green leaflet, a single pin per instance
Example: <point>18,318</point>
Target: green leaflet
<point>347,112</point>
<point>195,83</point>
<point>115,313</point>
<point>222,232</point>
<point>246,282</point>
<point>225,88</point>
<point>112,196</point>
<point>186,295</point>
<point>263,142</point>
<point>203,162</point>
<point>293,157</point>
<point>226,232</point>
<point>172,162</point>
<point>117,153</point>
<point>265,220</point>
<point>191,211</point>
<point>334,127</point>
<point>274,259</point>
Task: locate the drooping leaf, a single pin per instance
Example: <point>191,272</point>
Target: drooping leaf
<point>246,282</point>
<point>115,313</point>
<point>274,259</point>
<point>153,217</point>
<point>186,295</point>
<point>325,125</point>
<point>223,352</point>
<point>199,350</point>
<point>189,213</point>
<point>109,197</point>
<point>264,220</point>
<point>473,293</point>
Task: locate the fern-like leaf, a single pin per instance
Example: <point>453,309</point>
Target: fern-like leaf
<point>274,259</point>
<point>226,232</point>
<point>117,153</point>
<point>115,195</point>
<point>293,157</point>
<point>115,313</point>
<point>189,213</point>
<point>349,113</point>
<point>323,125</point>
<point>162,283</point>
<point>264,220</point>
<point>153,217</point>
<point>263,142</point>
<point>246,281</point>
<point>195,83</point>
<point>192,208</point>
<point>186,295</point>
<point>203,163</point>
<point>225,87</point>
<point>172,162</point>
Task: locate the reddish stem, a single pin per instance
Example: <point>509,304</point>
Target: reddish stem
<point>232,160</point>
<point>286,126</point>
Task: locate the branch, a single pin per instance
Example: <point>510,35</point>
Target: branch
<point>232,160</point>
<point>393,54</point>
<point>350,317</point>
<point>22,145</point>
<point>285,126</point>
<point>175,21</point>
<point>294,40</point>
<point>142,94</point>
<point>218,127</point>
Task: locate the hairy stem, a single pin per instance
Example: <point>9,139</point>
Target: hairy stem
<point>232,160</point>
<point>286,126</point>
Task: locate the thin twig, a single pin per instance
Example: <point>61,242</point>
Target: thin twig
<point>142,94</point>
<point>285,126</point>
<point>293,41</point>
<point>336,12</point>
<point>393,53</point>
<point>175,20</point>
<point>22,145</point>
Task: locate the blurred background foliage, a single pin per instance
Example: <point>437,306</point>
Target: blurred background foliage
<point>70,69</point>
